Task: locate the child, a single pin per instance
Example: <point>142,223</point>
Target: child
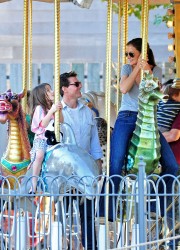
<point>42,113</point>
<point>167,111</point>
<point>28,119</point>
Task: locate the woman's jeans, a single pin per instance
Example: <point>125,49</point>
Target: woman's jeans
<point>122,133</point>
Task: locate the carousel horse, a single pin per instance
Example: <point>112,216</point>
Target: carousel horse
<point>15,160</point>
<point>65,165</point>
<point>145,140</point>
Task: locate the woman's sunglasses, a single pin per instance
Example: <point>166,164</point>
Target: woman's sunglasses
<point>75,84</point>
<point>131,54</point>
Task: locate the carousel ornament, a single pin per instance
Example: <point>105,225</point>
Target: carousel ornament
<point>145,140</point>
<point>16,158</point>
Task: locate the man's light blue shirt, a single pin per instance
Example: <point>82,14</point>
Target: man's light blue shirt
<point>85,130</point>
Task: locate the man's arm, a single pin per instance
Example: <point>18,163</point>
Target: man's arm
<point>172,135</point>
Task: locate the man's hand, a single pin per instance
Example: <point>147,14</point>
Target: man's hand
<point>99,163</point>
<point>172,135</point>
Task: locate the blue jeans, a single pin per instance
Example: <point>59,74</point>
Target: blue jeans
<point>122,133</point>
<point>87,219</point>
<point>87,227</point>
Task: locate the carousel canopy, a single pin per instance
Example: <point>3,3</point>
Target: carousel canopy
<point>87,3</point>
<point>2,1</point>
<point>152,2</point>
<point>80,3</point>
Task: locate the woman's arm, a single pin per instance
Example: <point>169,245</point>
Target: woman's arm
<point>127,82</point>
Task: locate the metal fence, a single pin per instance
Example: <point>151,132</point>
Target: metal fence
<point>66,218</point>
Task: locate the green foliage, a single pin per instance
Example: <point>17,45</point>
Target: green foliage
<point>135,9</point>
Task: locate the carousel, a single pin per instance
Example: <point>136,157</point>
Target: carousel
<point>43,221</point>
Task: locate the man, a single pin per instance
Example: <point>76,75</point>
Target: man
<point>81,120</point>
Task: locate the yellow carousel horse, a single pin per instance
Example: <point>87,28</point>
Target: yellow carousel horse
<point>16,158</point>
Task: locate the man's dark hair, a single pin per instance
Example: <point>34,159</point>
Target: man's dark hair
<point>64,80</point>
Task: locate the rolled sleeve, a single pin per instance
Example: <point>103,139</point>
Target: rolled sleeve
<point>95,149</point>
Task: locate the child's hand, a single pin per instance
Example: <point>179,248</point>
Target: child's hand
<point>56,106</point>
<point>59,106</point>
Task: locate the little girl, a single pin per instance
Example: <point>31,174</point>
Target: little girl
<point>42,113</point>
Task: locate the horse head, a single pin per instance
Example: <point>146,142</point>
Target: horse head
<point>9,105</point>
<point>149,89</point>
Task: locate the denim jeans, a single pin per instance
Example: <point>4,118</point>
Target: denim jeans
<point>87,219</point>
<point>122,133</point>
<point>87,224</point>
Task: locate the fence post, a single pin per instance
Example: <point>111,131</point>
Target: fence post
<point>141,203</point>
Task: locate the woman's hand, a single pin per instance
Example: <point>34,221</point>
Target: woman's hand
<point>143,64</point>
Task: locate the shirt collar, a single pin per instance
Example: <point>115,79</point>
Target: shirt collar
<point>80,104</point>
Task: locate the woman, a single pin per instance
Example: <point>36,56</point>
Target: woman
<point>125,122</point>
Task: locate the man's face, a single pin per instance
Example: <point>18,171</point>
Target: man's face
<point>74,88</point>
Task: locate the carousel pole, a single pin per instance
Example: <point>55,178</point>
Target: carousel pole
<point>144,29</point>
<point>57,63</point>
<point>104,232</point>
<point>120,226</point>
<point>25,53</point>
<point>30,47</point>
<point>119,57</point>
<point>108,76</point>
<point>125,30</point>
<point>176,6</point>
<point>21,222</point>
<point>139,234</point>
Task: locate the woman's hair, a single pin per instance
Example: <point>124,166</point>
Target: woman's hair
<point>39,97</point>
<point>137,43</point>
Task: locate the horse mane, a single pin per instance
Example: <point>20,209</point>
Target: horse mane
<point>23,133</point>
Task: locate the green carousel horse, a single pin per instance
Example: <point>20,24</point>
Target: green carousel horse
<point>145,140</point>
<point>15,160</point>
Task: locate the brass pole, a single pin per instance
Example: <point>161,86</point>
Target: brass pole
<point>119,57</point>
<point>108,98</point>
<point>142,20</point>
<point>30,46</point>
<point>25,53</point>
<point>125,30</point>
<point>144,29</point>
<point>57,63</point>
<point>108,75</point>
<point>177,43</point>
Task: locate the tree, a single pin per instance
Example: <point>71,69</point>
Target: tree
<point>135,9</point>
